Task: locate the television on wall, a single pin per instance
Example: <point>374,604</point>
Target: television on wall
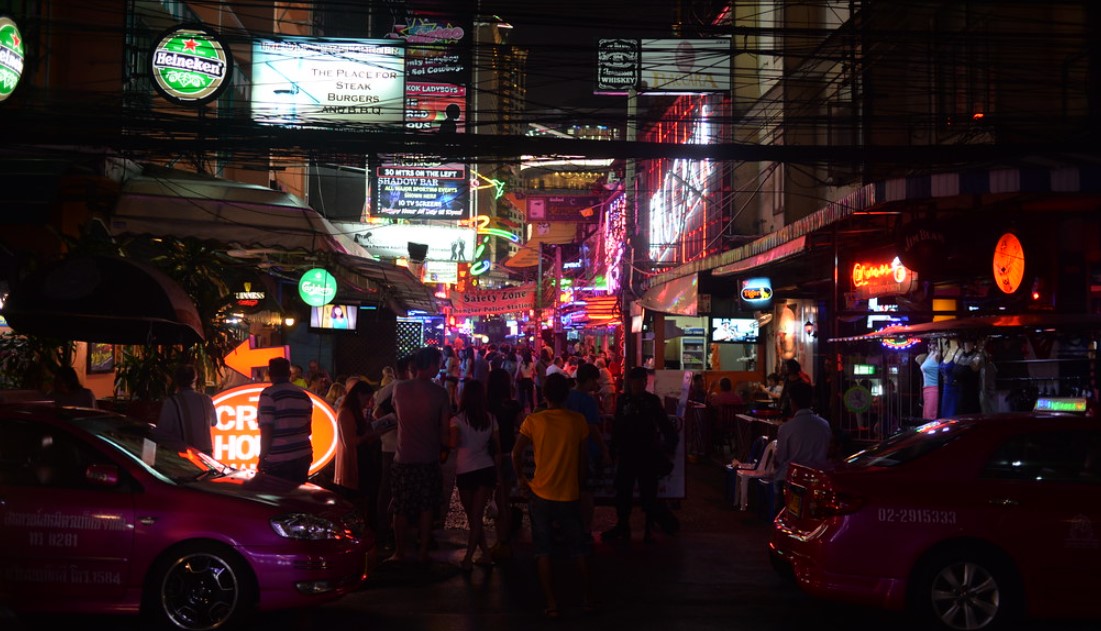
<point>334,317</point>
<point>733,330</point>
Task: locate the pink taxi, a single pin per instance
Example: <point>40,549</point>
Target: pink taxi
<point>96,516</point>
<point>972,523</point>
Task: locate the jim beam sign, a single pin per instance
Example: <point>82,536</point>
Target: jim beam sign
<point>190,65</point>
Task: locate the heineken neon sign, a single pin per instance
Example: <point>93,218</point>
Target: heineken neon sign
<point>190,65</point>
<point>11,57</point>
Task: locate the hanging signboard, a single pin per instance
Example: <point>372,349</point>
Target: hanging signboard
<point>11,57</point>
<point>757,292</point>
<point>435,107</point>
<point>618,64</point>
<point>422,190</point>
<point>572,208</point>
<point>441,272</point>
<point>445,243</point>
<point>519,299</point>
<point>875,278</point>
<point>190,65</point>
<point>664,66</point>
<point>438,48</point>
<point>317,287</point>
<point>299,81</point>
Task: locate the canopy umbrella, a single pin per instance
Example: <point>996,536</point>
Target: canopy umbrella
<point>106,299</point>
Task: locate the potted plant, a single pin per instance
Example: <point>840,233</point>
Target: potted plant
<point>29,362</point>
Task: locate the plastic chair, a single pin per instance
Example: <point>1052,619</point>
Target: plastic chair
<point>766,466</point>
<point>755,450</point>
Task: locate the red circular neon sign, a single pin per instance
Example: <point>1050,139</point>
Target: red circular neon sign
<point>237,436</point>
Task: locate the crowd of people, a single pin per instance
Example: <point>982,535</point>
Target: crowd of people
<point>497,424</point>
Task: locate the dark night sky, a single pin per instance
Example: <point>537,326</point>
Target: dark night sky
<point>561,38</point>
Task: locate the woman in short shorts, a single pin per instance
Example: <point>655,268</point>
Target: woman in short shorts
<point>476,442</point>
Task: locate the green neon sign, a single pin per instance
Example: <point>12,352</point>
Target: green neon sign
<point>11,57</point>
<point>190,65</point>
<point>317,287</point>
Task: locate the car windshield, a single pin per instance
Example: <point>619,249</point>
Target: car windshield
<point>908,445</point>
<point>167,459</point>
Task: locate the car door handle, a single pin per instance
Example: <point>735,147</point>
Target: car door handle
<point>147,521</point>
<point>1004,501</point>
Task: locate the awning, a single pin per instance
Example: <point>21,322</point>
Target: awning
<point>105,299</point>
<point>778,253</point>
<point>257,223</point>
<point>395,286</point>
<point>243,216</point>
<point>785,243</point>
<point>679,296</point>
<point>984,325</point>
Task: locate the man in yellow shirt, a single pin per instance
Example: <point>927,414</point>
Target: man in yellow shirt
<point>557,437</point>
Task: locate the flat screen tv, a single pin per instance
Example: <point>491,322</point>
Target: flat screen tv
<point>334,317</point>
<point>733,330</point>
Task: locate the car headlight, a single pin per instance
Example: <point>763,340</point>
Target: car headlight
<point>306,526</point>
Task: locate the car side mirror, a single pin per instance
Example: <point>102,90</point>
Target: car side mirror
<point>105,475</point>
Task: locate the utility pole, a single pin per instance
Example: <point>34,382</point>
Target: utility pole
<point>627,277</point>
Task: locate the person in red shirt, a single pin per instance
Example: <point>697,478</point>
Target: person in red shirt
<point>792,372</point>
<point>726,394</point>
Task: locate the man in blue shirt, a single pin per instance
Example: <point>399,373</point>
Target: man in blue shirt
<point>284,414</point>
<point>804,438</point>
<point>581,399</point>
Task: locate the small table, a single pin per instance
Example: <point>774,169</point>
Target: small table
<point>748,427</point>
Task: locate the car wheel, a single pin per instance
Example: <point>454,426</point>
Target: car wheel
<point>966,592</point>
<point>199,587</point>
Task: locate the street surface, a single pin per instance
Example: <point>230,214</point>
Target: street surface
<point>714,574</point>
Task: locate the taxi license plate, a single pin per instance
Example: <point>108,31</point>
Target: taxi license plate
<point>795,500</point>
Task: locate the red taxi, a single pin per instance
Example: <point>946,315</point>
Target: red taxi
<point>96,516</point>
<point>972,523</point>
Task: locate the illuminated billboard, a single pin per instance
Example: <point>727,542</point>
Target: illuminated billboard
<point>391,241</point>
<point>438,47</point>
<point>422,189</point>
<point>683,194</point>
<point>308,81</point>
<point>435,107</point>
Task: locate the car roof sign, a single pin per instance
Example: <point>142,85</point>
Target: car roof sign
<point>1060,404</point>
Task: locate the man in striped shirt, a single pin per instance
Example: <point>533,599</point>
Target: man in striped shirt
<point>284,414</point>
